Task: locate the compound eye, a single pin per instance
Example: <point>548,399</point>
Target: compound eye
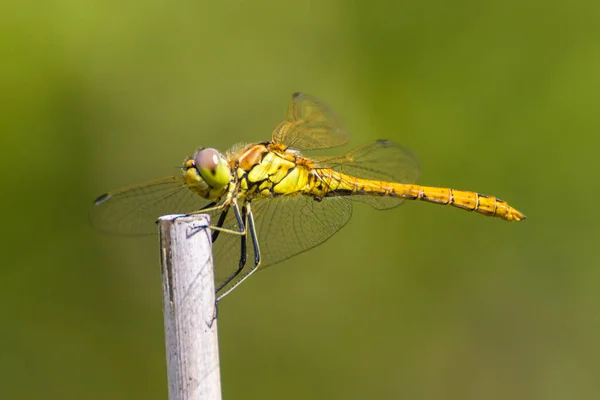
<point>207,159</point>
<point>213,167</point>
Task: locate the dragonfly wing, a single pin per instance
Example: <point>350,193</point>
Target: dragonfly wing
<point>309,125</point>
<point>285,226</point>
<point>381,160</point>
<point>134,210</point>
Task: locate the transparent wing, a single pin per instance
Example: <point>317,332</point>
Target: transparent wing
<point>381,160</point>
<point>310,125</point>
<point>285,226</point>
<point>134,210</point>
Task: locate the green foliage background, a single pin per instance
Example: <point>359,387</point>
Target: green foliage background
<point>421,302</point>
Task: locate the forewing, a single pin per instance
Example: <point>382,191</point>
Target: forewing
<point>309,125</point>
<point>134,210</point>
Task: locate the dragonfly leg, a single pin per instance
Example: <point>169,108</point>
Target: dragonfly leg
<point>215,233</point>
<point>242,223</point>
<point>243,250</point>
<point>241,231</point>
<point>210,207</point>
<point>252,232</point>
<point>254,240</point>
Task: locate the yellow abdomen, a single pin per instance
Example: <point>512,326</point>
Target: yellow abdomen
<point>333,183</point>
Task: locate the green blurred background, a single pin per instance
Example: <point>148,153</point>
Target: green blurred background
<point>420,302</point>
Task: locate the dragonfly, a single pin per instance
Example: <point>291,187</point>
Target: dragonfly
<point>268,202</point>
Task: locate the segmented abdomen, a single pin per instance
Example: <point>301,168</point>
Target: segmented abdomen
<point>332,183</point>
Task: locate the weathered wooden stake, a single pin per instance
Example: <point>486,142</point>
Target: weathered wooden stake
<point>189,307</point>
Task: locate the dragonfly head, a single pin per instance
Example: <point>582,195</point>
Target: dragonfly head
<point>208,171</point>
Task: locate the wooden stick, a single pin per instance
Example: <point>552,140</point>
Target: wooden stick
<point>189,307</point>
